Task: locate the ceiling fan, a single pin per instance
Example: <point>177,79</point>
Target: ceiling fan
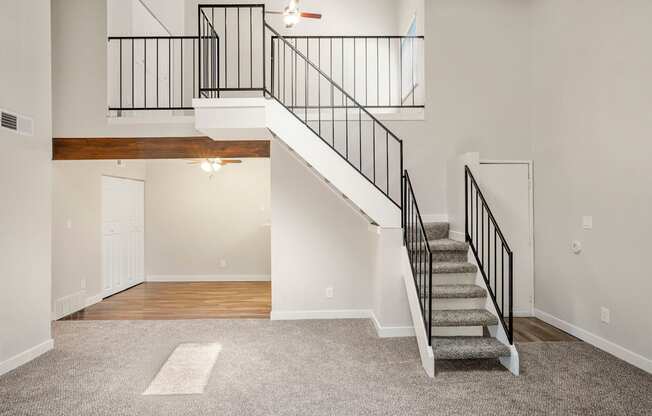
<point>213,164</point>
<point>291,14</point>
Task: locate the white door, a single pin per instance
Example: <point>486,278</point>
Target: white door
<point>123,226</point>
<point>507,188</point>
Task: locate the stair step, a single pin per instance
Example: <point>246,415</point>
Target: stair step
<point>463,317</point>
<point>446,244</point>
<point>436,230</point>
<point>453,267</point>
<point>465,348</point>
<point>444,250</point>
<point>458,292</point>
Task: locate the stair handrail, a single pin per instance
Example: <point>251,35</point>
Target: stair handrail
<point>415,239</point>
<point>477,243</point>
<point>356,105</point>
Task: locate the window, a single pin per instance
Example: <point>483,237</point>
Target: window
<point>409,67</point>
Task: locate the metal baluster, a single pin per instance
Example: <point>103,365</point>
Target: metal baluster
<point>389,68</point>
<point>387,157</point>
<point>374,148</point>
<point>133,102</point>
<point>366,74</point>
<point>251,55</point>
<point>238,42</point>
<point>145,73</point>
<point>120,42</point>
<point>332,95</point>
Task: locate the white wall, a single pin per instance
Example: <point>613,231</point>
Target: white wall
<point>591,129</point>
<point>25,178</point>
<point>478,91</point>
<point>318,241</point>
<point>79,78</point>
<point>77,225</point>
<point>193,222</point>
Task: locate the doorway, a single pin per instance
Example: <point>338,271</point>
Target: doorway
<point>123,229</point>
<point>507,186</point>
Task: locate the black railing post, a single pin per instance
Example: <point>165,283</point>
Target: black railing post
<point>264,55</point>
<point>466,204</point>
<point>510,332</point>
<point>271,41</point>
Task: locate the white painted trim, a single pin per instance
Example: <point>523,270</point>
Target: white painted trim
<point>25,356</point>
<point>434,218</point>
<point>425,350</point>
<point>391,331</point>
<point>92,300</point>
<point>209,278</point>
<point>624,354</point>
<point>152,119</point>
<point>321,314</point>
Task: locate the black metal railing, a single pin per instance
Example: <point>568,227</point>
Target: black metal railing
<point>335,116</point>
<point>154,72</point>
<point>419,253</point>
<point>209,57</point>
<point>496,261</point>
<point>237,46</point>
<point>377,71</point>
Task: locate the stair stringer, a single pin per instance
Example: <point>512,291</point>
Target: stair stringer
<point>512,362</point>
<point>425,351</point>
<point>329,164</point>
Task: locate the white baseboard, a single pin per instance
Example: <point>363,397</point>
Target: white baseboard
<point>209,278</point>
<point>92,300</point>
<point>624,354</point>
<point>434,217</point>
<point>321,314</point>
<point>391,331</point>
<point>25,356</point>
<point>382,331</point>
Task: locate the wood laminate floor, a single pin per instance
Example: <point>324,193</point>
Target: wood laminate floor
<point>187,300</point>
<point>535,330</point>
<point>236,300</point>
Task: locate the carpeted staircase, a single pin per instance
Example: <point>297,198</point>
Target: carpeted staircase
<point>459,314</point>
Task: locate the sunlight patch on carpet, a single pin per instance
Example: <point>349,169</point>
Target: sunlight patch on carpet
<point>186,371</point>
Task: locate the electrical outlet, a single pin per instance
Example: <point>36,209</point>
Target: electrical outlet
<point>605,315</point>
<point>222,263</point>
<point>587,222</point>
<point>329,292</point>
<point>83,283</point>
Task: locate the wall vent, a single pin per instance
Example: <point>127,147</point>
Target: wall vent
<point>15,122</point>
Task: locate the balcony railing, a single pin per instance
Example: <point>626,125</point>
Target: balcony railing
<point>232,56</point>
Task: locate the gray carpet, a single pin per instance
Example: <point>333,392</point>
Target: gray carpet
<point>310,368</point>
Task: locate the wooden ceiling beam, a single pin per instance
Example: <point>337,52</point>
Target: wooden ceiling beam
<point>112,148</point>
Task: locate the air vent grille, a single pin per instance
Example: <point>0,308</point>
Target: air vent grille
<point>9,121</point>
<point>16,122</point>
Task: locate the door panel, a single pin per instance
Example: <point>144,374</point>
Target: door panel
<point>506,186</point>
<point>123,213</point>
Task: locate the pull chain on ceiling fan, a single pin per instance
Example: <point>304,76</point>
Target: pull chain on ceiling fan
<point>291,14</point>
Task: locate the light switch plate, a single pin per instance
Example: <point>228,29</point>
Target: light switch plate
<point>587,222</point>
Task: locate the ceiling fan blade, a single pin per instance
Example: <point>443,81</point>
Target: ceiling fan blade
<point>229,161</point>
<point>309,15</point>
<point>272,12</point>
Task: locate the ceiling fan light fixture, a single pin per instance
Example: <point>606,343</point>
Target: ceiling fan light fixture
<point>206,166</point>
<point>215,166</point>
<point>290,18</point>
